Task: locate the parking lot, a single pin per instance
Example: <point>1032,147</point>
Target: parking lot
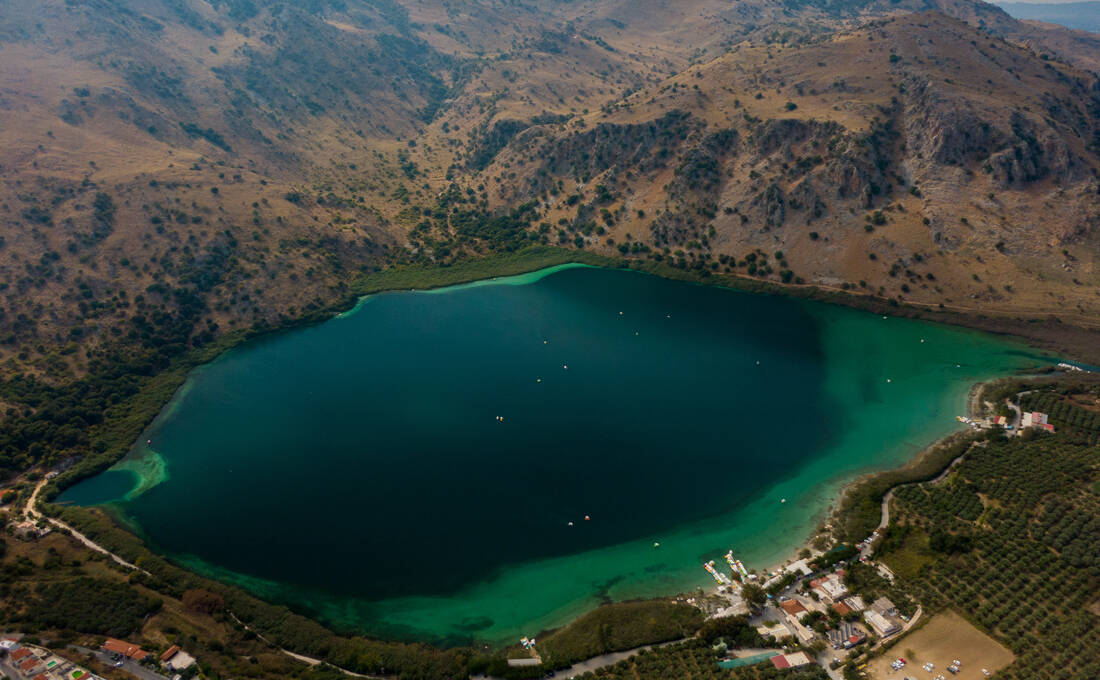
<point>943,639</point>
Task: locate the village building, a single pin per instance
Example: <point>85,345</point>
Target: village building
<point>830,587</point>
<point>882,626</point>
<point>846,635</point>
<point>777,631</point>
<point>884,607</point>
<point>20,654</point>
<point>793,611</point>
<point>1037,420</point>
<point>841,609</point>
<point>176,659</point>
<point>795,660</point>
<point>126,649</point>
<point>28,530</point>
<point>855,603</point>
<point>31,667</point>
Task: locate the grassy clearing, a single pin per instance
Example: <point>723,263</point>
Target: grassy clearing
<point>500,264</point>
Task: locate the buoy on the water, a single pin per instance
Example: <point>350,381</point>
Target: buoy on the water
<point>538,379</point>
<point>888,380</point>
<point>782,500</point>
<point>570,524</point>
<point>564,367</point>
<point>620,313</point>
<point>656,545</point>
<point>545,342</point>
<point>922,339</point>
<point>757,363</point>
<point>587,518</point>
<point>148,442</point>
<point>635,332</point>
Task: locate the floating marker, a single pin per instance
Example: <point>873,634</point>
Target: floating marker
<point>570,524</point>
<point>783,500</point>
<point>656,545</point>
<point>564,367</point>
<point>888,380</point>
<point>620,313</point>
<point>587,518</point>
<point>545,342</point>
<point>538,379</point>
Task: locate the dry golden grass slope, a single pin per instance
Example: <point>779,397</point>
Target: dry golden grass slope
<point>916,157</point>
<point>211,164</point>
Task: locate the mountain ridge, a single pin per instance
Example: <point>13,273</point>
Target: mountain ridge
<point>178,168</point>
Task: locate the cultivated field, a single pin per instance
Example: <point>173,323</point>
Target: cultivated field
<point>945,638</point>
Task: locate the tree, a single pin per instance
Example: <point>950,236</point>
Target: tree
<point>754,595</point>
<point>202,601</point>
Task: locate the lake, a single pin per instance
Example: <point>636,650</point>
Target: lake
<point>489,460</point>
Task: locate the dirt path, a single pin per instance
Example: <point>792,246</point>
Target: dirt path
<point>32,511</point>
<point>302,657</point>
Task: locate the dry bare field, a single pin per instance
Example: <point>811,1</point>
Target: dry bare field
<point>943,639</point>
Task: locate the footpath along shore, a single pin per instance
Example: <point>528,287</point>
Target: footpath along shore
<point>32,511</point>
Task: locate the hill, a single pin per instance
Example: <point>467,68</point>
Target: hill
<point>915,157</point>
<point>178,170</point>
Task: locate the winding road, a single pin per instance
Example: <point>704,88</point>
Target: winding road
<point>32,511</point>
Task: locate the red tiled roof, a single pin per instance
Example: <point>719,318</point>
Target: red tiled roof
<point>792,607</point>
<point>780,662</point>
<point>841,608</point>
<point>20,654</point>
<point>125,648</point>
<point>28,664</point>
<point>170,653</point>
<point>41,676</point>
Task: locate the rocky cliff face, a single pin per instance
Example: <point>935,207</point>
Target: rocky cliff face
<point>917,158</point>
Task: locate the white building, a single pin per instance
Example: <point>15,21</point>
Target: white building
<point>882,626</point>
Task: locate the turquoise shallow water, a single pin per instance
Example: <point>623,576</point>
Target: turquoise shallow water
<point>746,661</point>
<point>411,468</point>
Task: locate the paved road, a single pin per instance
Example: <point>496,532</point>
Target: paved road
<point>602,660</point>
<point>889,496</point>
<point>1019,417</point>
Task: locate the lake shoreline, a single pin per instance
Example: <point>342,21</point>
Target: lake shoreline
<point>509,269</point>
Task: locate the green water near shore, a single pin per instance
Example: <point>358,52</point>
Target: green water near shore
<point>357,470</point>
